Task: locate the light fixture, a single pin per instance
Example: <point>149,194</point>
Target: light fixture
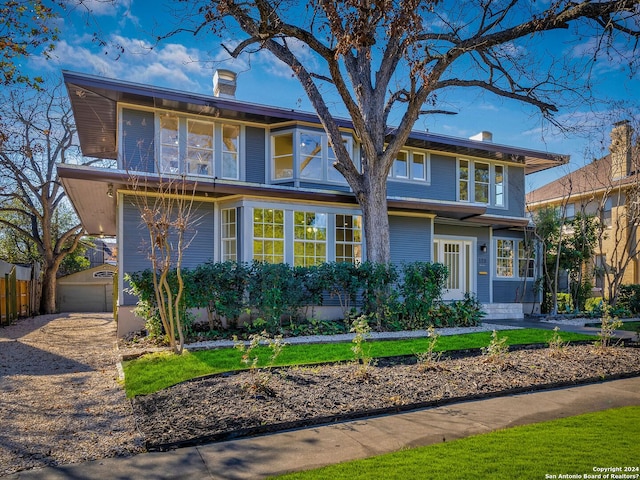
<point>110,190</point>
<point>483,248</point>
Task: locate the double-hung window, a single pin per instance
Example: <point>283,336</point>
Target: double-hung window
<point>229,234</point>
<point>349,238</point>
<point>481,182</point>
<point>410,165</point>
<point>514,259</point>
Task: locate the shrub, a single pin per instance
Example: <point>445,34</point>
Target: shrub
<point>341,280</point>
<point>421,286</point>
<point>219,287</point>
<point>141,285</point>
<point>271,292</point>
<point>629,298</point>
<point>379,298</point>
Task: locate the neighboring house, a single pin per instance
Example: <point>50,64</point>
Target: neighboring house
<point>607,188</point>
<point>90,290</point>
<point>265,177</point>
<point>100,253</point>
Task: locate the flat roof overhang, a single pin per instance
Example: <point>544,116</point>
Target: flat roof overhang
<point>92,192</point>
<point>95,105</point>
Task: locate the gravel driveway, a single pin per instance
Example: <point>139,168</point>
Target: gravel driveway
<point>60,401</point>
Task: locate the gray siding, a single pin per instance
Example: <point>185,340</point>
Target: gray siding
<point>137,140</point>
<point>515,194</point>
<point>256,157</point>
<point>410,239</point>
<point>442,186</point>
<point>135,241</point>
<point>511,290</point>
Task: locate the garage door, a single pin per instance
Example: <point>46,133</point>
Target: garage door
<point>85,298</point>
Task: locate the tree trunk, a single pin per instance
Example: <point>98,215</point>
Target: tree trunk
<point>48,298</point>
<point>373,202</point>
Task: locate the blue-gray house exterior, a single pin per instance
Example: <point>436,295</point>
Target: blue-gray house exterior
<point>264,174</point>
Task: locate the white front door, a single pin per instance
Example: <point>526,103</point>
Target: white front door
<point>456,255</point>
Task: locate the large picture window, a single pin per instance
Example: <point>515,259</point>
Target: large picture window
<point>298,237</point>
<point>481,182</point>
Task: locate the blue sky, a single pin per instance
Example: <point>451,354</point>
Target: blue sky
<point>185,63</point>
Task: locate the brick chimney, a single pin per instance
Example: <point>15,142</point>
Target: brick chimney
<point>621,149</point>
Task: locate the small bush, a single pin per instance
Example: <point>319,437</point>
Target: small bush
<point>497,350</point>
<point>362,351</point>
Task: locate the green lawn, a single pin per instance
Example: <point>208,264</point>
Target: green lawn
<point>627,326</point>
<point>572,447</point>
<point>155,372</point>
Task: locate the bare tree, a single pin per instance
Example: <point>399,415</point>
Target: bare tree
<point>37,131</point>
<point>393,57</point>
<point>167,213</point>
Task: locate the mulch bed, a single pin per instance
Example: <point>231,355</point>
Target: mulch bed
<point>226,406</point>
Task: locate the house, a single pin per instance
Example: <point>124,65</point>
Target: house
<point>607,188</point>
<point>263,176</point>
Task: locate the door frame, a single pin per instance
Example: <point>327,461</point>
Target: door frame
<point>468,261</point>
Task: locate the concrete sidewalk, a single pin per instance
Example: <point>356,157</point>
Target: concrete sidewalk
<point>259,457</point>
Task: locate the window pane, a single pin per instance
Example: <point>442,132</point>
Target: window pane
<point>310,154</point>
<point>526,257</point>
<point>348,238</point>
<point>463,181</point>
<point>199,147</point>
<point>401,166</point>
<point>230,143</point>
<point>481,177</point>
<point>229,240</point>
<point>333,174</point>
<point>309,238</point>
<point>169,145</point>
<point>504,258</point>
<point>418,166</point>
<point>268,241</point>
<point>283,156</point>
<point>499,186</point>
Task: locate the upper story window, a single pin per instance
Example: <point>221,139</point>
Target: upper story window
<point>198,147</point>
<point>481,182</point>
<point>410,165</point>
<point>305,155</point>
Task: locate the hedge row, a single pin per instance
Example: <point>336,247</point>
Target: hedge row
<point>277,296</point>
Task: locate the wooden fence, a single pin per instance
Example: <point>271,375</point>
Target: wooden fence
<point>15,294</point>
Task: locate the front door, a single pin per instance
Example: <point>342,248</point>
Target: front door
<point>456,255</point>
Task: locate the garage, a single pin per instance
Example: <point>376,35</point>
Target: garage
<point>87,291</point>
